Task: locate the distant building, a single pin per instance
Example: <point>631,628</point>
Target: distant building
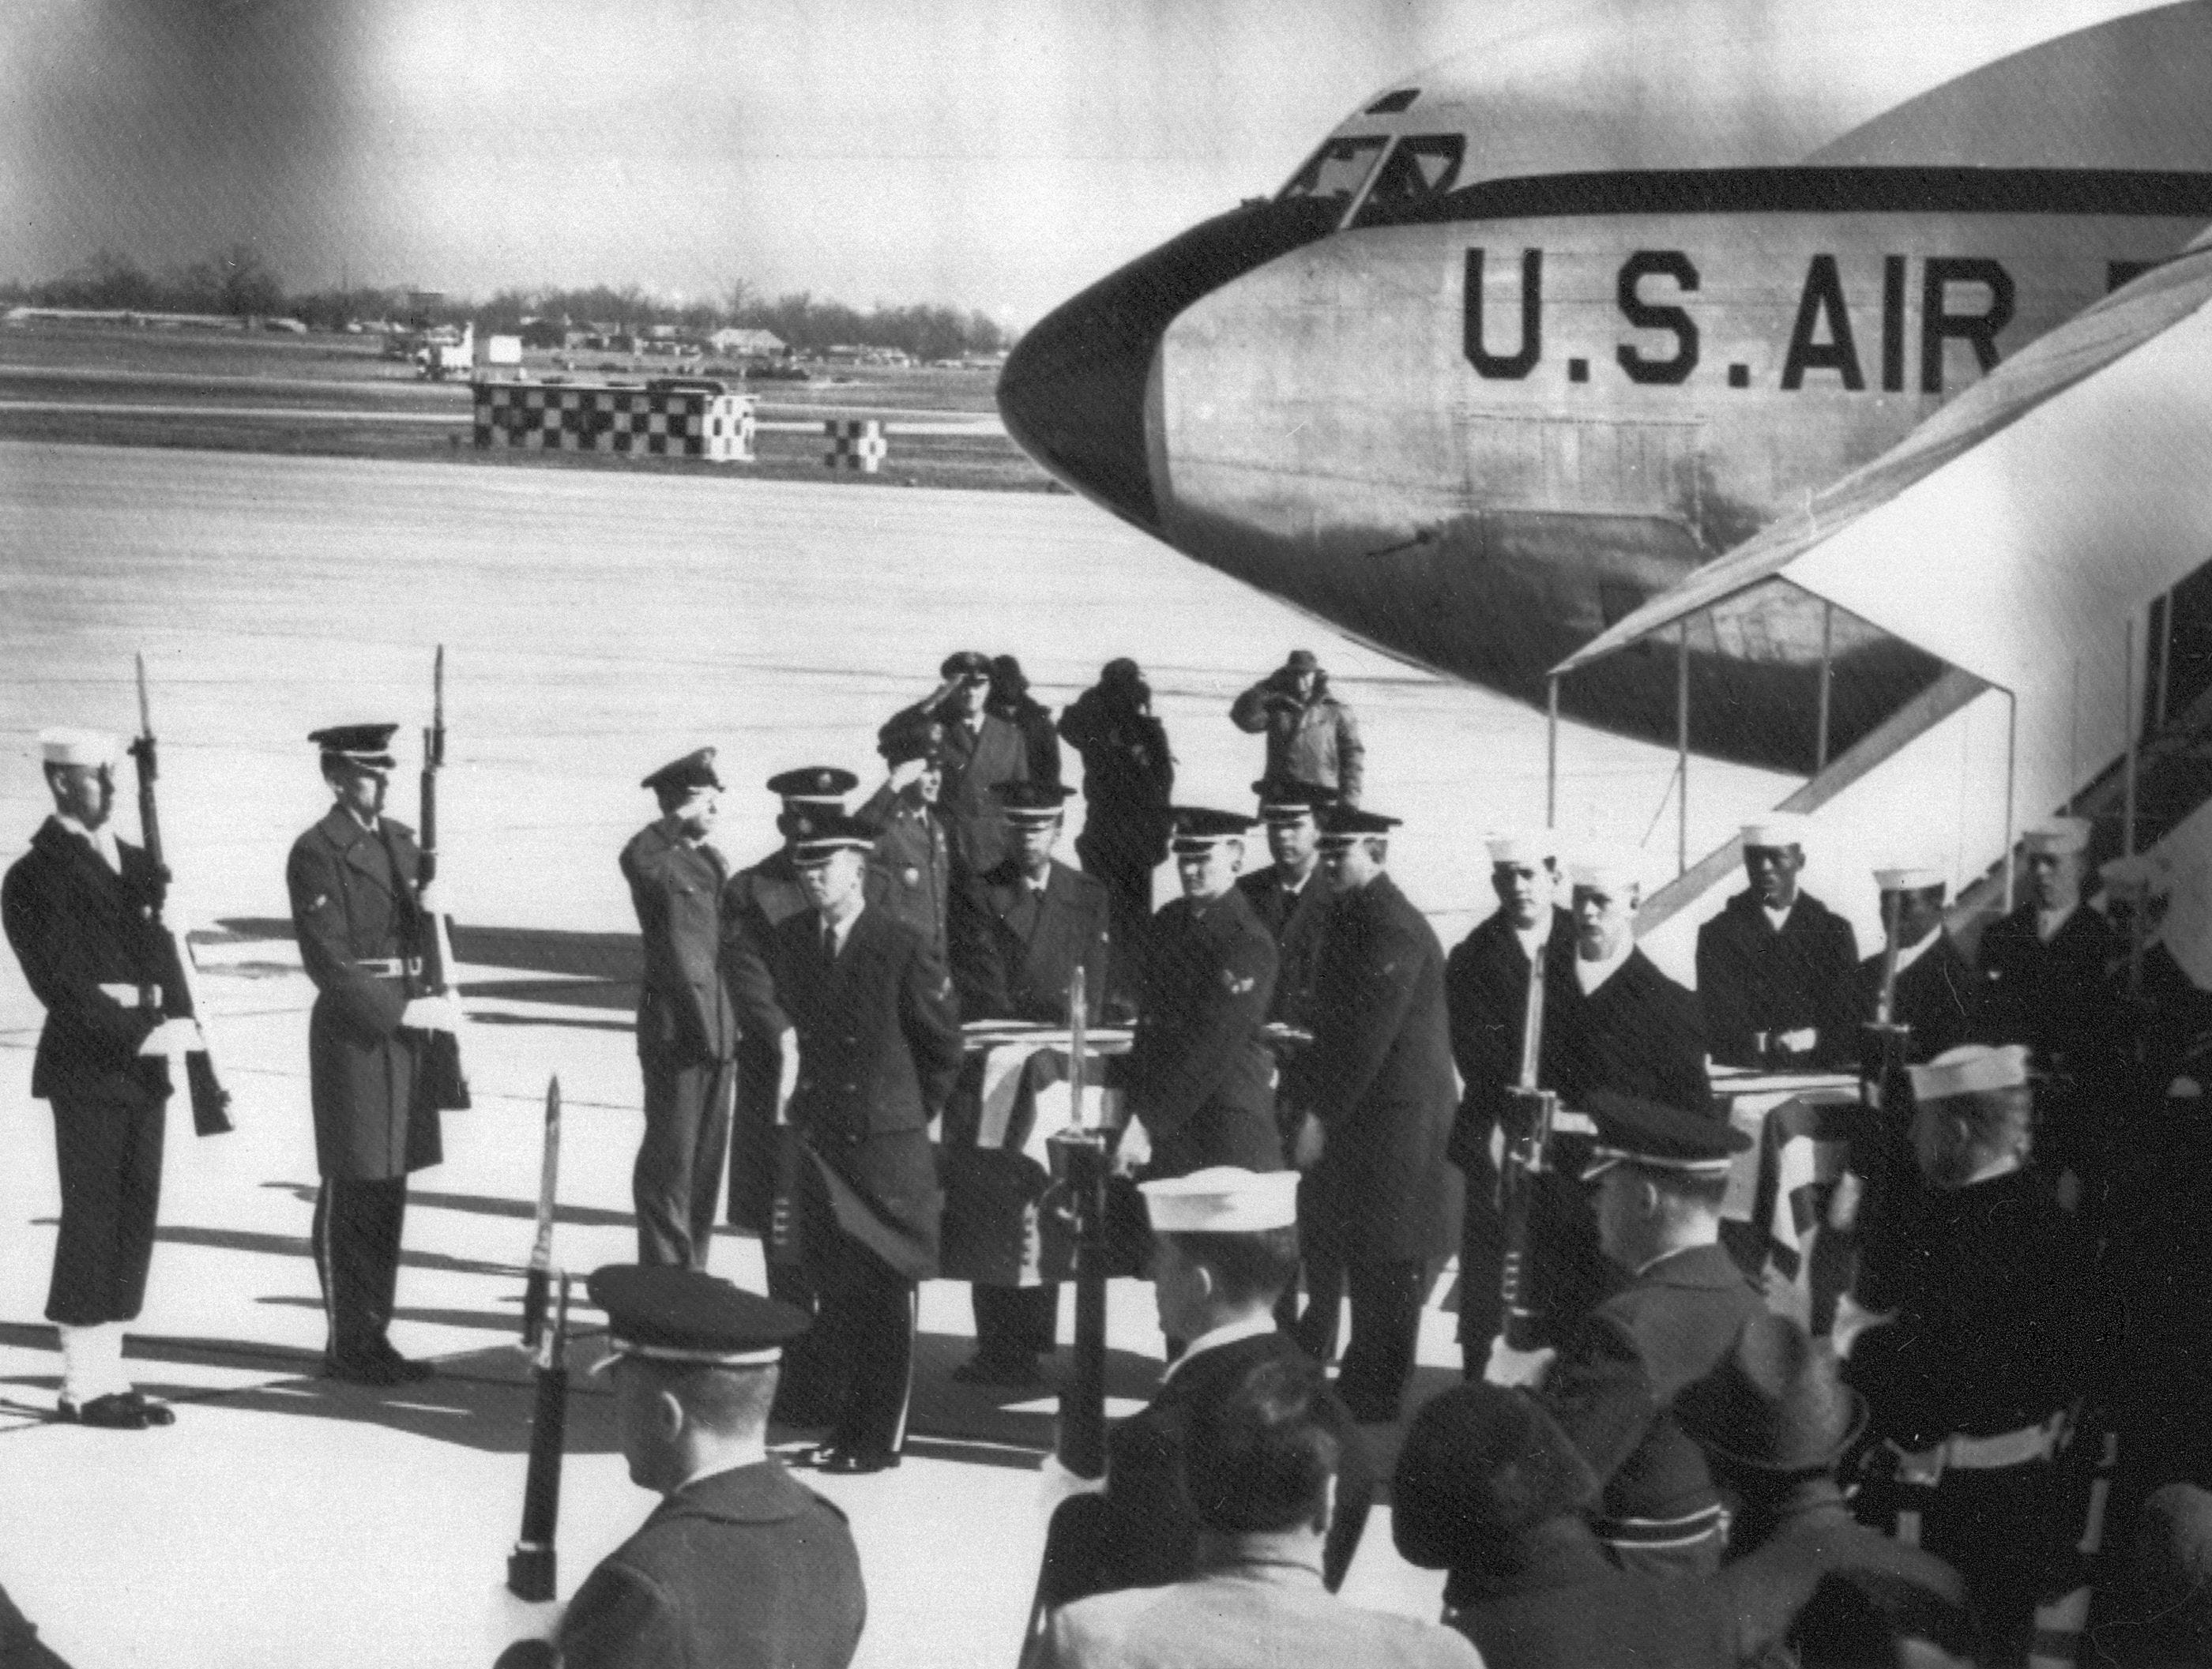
<point>749,344</point>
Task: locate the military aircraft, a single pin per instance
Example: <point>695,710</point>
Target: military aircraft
<point>1540,329</point>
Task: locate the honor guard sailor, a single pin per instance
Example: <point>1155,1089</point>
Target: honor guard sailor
<point>1775,966</point>
<point>1660,1175</point>
<point>686,1029</point>
<point>740,1564</point>
<point>1224,1244</point>
<point>1379,1080</point>
<point>1201,1081</point>
<point>1486,999</point>
<point>1935,984</point>
<point>79,911</point>
<point>863,1013</point>
<point>1020,931</point>
<point>353,880</point>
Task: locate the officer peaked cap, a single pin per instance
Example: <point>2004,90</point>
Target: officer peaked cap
<point>368,746</point>
<point>911,735</point>
<point>1032,803</point>
<point>663,1314</point>
<point>1656,1136</point>
<point>967,664</point>
<point>694,770</point>
<point>1341,825</point>
<point>814,835</point>
<point>1198,827</point>
<point>1286,799</point>
<point>813,782</point>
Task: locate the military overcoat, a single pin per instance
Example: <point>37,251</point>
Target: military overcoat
<point>1199,1075</point>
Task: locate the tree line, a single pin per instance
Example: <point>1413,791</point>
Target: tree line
<point>237,281</point>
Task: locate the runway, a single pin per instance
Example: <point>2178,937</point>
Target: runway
<point>596,625</point>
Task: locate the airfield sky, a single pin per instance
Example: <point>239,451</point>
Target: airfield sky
<point>993,154</point>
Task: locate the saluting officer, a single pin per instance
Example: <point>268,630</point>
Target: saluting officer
<point>78,909</point>
<point>686,1029</point>
<point>1660,1174</point>
<point>1487,997</point>
<point>1020,931</point>
<point>1775,966</point>
<point>1372,1141</point>
<point>864,1013</point>
<point>1201,1079</point>
<point>910,866</point>
<point>980,748</point>
<point>352,879</point>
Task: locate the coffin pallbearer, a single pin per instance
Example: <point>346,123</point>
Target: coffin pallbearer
<point>1373,1138</point>
<point>757,899</point>
<point>1775,966</point>
<point>1936,986</point>
<point>1290,895</point>
<point>911,866</point>
<point>740,1564</point>
<point>1612,1021</point>
<point>2045,983</point>
<point>1994,1335</point>
<point>1224,1247</point>
<point>1128,779</point>
<point>1201,1080</point>
<point>1487,997</point>
<point>980,750</point>
<point>353,880</point>
<point>863,1014</point>
<point>78,911</point>
<point>1660,1175</point>
<point>1020,931</point>
<point>1263,1462</point>
<point>686,1029</point>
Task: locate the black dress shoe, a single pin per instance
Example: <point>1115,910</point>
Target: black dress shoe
<point>113,1413</point>
<point>155,1411</point>
<point>410,1370</point>
<point>829,1458</point>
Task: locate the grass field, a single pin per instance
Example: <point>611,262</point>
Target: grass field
<point>335,396</point>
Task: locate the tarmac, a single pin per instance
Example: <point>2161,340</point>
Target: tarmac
<point>595,625</point>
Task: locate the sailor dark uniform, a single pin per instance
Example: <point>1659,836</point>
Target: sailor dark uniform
<point>1142,1531</point>
<point>353,907</point>
<point>2057,998</point>
<point>1487,1000</point>
<point>687,1036</point>
<point>1015,948</point>
<point>1936,996</point>
<point>1380,1075</point>
<point>1996,1333</point>
<point>879,1049</point>
<point>1611,1392</point>
<point>1200,1077</point>
<point>741,1567</point>
<point>77,925</point>
<point>1753,978</point>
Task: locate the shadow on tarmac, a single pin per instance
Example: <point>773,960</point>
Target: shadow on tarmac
<point>295,1246</point>
<point>591,970</point>
<point>586,1216</point>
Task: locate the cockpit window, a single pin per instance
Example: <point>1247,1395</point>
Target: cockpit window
<point>1420,168</point>
<point>1337,170</point>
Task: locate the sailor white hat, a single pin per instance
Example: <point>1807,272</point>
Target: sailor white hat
<point>1969,1069</point>
<point>1523,849</point>
<point>1609,872</point>
<point>78,747</point>
<point>1777,829</point>
<point>1223,1199</point>
<point>2057,836</point>
<point>1909,878</point>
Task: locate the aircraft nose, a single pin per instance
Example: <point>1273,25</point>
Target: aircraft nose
<point>1072,392</point>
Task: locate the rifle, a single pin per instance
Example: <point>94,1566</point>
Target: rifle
<point>1532,1112</point>
<point>1079,1167</point>
<point>447,1083</point>
<point>539,1279</point>
<point>211,1100</point>
<point>530,1587</point>
<point>1882,1045</point>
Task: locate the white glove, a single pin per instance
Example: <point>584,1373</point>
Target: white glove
<point>907,771</point>
<point>1135,1151</point>
<point>431,899</point>
<point>1514,1369</point>
<point>174,1038</point>
<point>433,1014</point>
<point>1852,1318</point>
<point>1799,1041</point>
<point>118,991</point>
